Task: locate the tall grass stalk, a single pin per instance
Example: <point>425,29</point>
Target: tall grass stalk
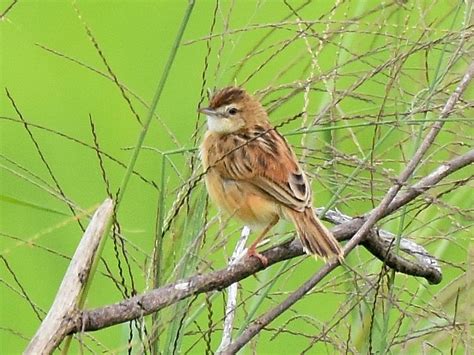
<point>156,99</point>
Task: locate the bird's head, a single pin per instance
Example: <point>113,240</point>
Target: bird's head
<point>231,109</point>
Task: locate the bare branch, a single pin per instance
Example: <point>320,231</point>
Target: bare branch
<point>162,297</point>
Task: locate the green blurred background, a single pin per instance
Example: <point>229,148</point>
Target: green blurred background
<point>56,92</point>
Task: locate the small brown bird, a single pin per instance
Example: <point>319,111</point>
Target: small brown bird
<point>253,174</point>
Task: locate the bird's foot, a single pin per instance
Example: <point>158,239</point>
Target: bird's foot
<point>263,259</point>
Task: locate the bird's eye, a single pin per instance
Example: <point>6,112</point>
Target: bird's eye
<point>232,111</point>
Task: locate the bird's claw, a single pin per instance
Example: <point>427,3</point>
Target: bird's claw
<point>263,259</point>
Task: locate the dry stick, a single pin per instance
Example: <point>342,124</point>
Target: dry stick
<point>377,213</point>
<point>154,300</point>
<point>53,329</point>
<point>232,292</point>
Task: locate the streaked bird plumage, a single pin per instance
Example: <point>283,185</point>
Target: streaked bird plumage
<point>253,174</point>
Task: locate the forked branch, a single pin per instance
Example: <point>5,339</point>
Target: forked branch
<point>162,297</point>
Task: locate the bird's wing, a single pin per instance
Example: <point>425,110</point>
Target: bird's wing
<point>263,158</point>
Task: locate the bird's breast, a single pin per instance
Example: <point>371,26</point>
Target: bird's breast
<point>240,199</point>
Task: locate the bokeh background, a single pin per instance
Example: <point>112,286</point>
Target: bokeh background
<point>380,73</point>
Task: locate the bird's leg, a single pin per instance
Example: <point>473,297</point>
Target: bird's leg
<point>252,251</point>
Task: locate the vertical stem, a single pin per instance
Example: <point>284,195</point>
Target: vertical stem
<point>144,131</point>
<point>156,98</point>
<point>232,291</point>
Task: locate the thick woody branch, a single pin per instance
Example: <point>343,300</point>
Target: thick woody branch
<point>162,297</point>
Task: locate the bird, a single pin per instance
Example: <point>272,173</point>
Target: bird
<point>252,173</point>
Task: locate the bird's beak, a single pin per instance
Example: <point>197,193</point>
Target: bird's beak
<point>208,111</point>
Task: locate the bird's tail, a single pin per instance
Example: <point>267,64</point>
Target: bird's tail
<point>315,237</point>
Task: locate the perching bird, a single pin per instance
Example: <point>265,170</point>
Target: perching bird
<point>253,174</point>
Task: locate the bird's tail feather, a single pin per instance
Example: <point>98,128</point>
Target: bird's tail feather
<point>315,237</point>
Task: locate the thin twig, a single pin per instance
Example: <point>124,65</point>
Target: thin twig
<point>8,8</point>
